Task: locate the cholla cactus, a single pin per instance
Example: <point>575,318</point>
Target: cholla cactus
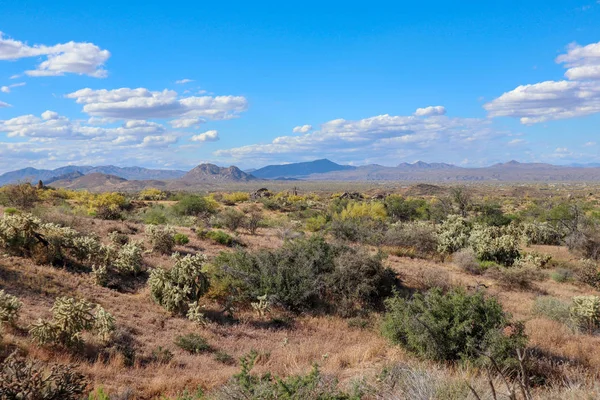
<point>161,238</point>
<point>491,243</point>
<point>182,284</point>
<point>585,311</point>
<point>195,314</point>
<point>540,233</point>
<point>100,274</point>
<point>453,234</point>
<point>86,248</point>
<point>18,232</point>
<point>104,324</point>
<point>263,306</point>
<point>532,260</point>
<point>117,238</point>
<point>9,308</point>
<point>129,258</point>
<point>70,318</point>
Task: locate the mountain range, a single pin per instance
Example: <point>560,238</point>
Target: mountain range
<point>136,178</point>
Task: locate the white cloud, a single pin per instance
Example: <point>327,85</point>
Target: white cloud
<point>302,129</point>
<point>6,89</point>
<point>380,137</point>
<point>185,122</point>
<point>515,142</point>
<point>184,81</point>
<point>141,103</point>
<point>589,144</point>
<point>158,141</point>
<point>72,57</point>
<point>577,96</point>
<point>208,136</point>
<point>429,111</point>
<point>3,104</point>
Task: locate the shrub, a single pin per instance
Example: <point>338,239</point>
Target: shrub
<point>561,275</point>
<point>235,197</point>
<point>316,223</point>
<point>107,205</point>
<point>401,209</point>
<point>183,284</point>
<point>363,230</point>
<point>161,238</point>
<point>192,343</point>
<point>155,215</point>
<point>224,358</point>
<point>519,278</point>
<point>254,219</point>
<point>21,195</point>
<point>453,234</point>
<point>129,259</point>
<point>374,210</point>
<point>219,236</point>
<point>585,312</point>
<point>162,355</point>
<point>181,239</point>
<point>492,244</point>
<point>306,274</point>
<point>29,380</point>
<point>552,308</point>
<point>9,308</point>
<point>232,219</point>
<point>453,326</point>
<point>70,318</point>
<point>420,237</point>
<point>152,194</point>
<point>467,261</point>
<point>193,205</point>
<point>588,273</point>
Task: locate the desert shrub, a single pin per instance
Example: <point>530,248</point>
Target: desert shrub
<point>588,272</point>
<point>429,278</point>
<point>162,355</point>
<point>585,313</point>
<point>421,237</point>
<point>364,230</point>
<point>107,205</point>
<point>399,208</point>
<point>70,318</point>
<point>193,205</point>
<point>561,275</point>
<point>160,238</point>
<point>312,386</point>
<point>220,237</point>
<point>453,326</point>
<point>118,238</point>
<point>467,261</point>
<point>306,274</point>
<point>9,308</point>
<point>22,195</point>
<point>515,278</point>
<point>235,197</point>
<point>360,210</point>
<point>129,259</point>
<point>552,308</point>
<point>155,215</point>
<point>254,219</point>
<point>491,214</point>
<point>29,380</point>
<point>540,233</point>
<point>232,219</point>
<point>224,358</point>
<point>453,234</point>
<point>192,343</point>
<point>182,285</point>
<point>181,239</point>
<point>316,223</point>
<point>585,241</point>
<point>492,244</point>
<point>152,194</point>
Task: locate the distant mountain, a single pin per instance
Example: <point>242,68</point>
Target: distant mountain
<point>46,175</point>
<point>589,165</point>
<point>300,170</point>
<point>69,176</point>
<point>424,165</point>
<point>206,173</point>
<point>94,181</point>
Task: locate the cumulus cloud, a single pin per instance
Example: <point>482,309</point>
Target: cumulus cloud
<point>302,129</point>
<point>208,136</point>
<point>141,103</point>
<point>577,96</point>
<point>72,57</point>
<point>429,111</point>
<point>184,81</point>
<point>379,137</point>
<point>185,122</point>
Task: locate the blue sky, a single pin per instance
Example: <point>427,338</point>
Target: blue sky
<point>175,84</point>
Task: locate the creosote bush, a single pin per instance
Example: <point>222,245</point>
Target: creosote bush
<point>181,286</point>
<point>305,274</point>
<point>193,205</point>
<point>161,238</point>
<point>181,239</point>
<point>218,236</point>
<point>453,326</point>
<point>419,236</point>
<point>192,343</point>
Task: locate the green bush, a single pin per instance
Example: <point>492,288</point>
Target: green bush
<point>232,219</point>
<point>552,308</point>
<point>193,205</point>
<point>306,274</point>
<point>182,285</point>
<point>453,326</point>
<point>420,237</point>
<point>515,278</point>
<point>161,238</point>
<point>316,223</point>
<point>192,343</point>
<point>9,308</point>
<point>30,380</point>
<point>155,215</point>
<point>401,209</point>
<point>561,275</point>
<point>220,237</point>
<point>181,239</point>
